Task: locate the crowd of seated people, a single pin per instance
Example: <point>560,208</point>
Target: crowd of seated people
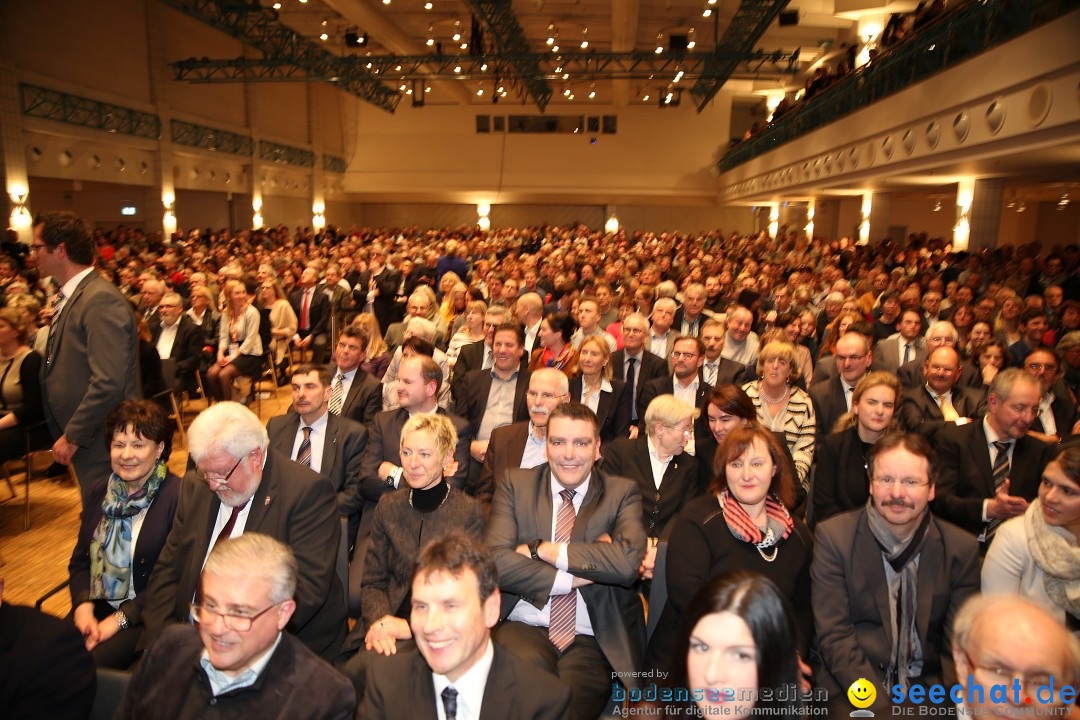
<point>627,421</point>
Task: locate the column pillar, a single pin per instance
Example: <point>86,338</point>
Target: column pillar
<point>876,212</point>
<point>15,201</point>
<point>318,191</point>
<point>984,213</point>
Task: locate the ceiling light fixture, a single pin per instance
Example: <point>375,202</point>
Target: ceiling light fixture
<point>659,43</point>
<point>691,43</point>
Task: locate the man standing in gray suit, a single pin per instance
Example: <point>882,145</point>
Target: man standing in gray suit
<point>91,356</point>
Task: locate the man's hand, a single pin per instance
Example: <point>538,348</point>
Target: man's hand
<point>648,563</point>
<point>384,469</point>
<point>1003,505</point>
<point>383,635</point>
<point>478,449</point>
<point>64,451</point>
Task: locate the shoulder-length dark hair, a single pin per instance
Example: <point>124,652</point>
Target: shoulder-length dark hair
<point>736,443</point>
<point>758,601</point>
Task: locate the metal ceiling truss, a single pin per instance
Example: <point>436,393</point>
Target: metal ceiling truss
<point>514,60</point>
<point>746,28</point>
<point>259,28</point>
<point>577,67</point>
<point>74,110</point>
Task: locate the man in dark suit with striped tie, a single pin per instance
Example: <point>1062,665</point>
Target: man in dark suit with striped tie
<point>314,437</point>
<point>634,364</point>
<point>991,468</point>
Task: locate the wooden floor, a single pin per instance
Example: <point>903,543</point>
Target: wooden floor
<point>33,562</point>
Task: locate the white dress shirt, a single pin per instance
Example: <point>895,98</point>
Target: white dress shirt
<point>564,582</point>
<point>470,687</point>
<point>318,440</point>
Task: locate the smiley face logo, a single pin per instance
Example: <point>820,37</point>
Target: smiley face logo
<point>862,694</point>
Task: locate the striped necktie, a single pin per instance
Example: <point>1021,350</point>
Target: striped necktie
<point>303,455</point>
<point>54,320</point>
<point>337,395</point>
<point>1001,474</point>
<point>563,621</point>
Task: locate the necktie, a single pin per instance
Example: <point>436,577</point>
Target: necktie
<point>907,353</point>
<point>337,394</point>
<point>226,532</point>
<point>304,325</point>
<point>947,409</point>
<point>561,628</point>
<point>631,380</point>
<point>1001,474</point>
<point>487,358</point>
<point>303,455</point>
<point>710,373</point>
<point>847,395</point>
<point>57,301</point>
<point>449,702</point>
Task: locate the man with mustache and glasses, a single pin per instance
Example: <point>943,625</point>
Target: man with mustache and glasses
<point>888,579</point>
<point>521,444</point>
<point>241,485</point>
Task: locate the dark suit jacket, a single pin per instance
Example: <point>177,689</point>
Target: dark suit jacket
<point>48,673</point>
<point>169,683</point>
<point>919,412</point>
<point>473,401</point>
<point>93,367</point>
<point>318,310</point>
<point>470,357</point>
<point>612,409</point>
<point>505,450</point>
<point>384,306</point>
<point>729,372</point>
<point>841,482</point>
<point>155,529</point>
<point>187,347</point>
<point>342,451</point>
<point>1063,409</point>
<point>852,606</point>
<point>966,476</point>
<point>911,374</point>
<point>829,404</point>
<point>680,484</point>
<point>825,370</point>
<point>651,367</point>
<point>400,686</point>
<point>384,446</point>
<point>522,511</point>
<point>292,504</point>
<point>364,400</point>
<point>666,386</point>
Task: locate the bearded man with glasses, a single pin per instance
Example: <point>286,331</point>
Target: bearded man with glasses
<point>240,485</point>
<point>887,580</point>
<point>238,660</point>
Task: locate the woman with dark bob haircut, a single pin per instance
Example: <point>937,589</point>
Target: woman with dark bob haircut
<point>555,350</point>
<point>125,520</point>
<point>742,523</point>
<point>736,641</point>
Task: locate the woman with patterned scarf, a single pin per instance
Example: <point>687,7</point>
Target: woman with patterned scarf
<point>125,521</point>
<point>741,524</point>
<point>1037,554</point>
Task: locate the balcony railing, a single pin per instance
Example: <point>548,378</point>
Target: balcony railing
<point>953,38</point>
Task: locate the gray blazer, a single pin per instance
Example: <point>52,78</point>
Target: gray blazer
<point>522,511</point>
<point>851,604</point>
<point>90,366</point>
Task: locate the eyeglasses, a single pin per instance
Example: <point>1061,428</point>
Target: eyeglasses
<point>1001,674</point>
<point>907,482</point>
<point>687,355</point>
<point>849,358</point>
<point>1039,367</point>
<point>221,482</point>
<point>233,621</point>
<point>685,432</point>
